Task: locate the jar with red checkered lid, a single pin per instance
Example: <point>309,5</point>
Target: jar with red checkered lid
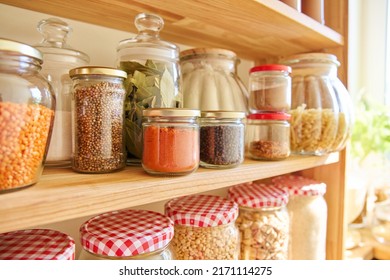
<point>263,221</point>
<point>204,227</point>
<point>127,234</point>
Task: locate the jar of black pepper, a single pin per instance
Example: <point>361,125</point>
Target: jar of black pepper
<point>221,139</point>
<point>97,119</point>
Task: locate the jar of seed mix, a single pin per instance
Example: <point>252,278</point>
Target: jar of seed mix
<point>263,221</point>
<point>127,235</point>
<point>204,227</point>
<point>98,114</point>
<point>222,139</point>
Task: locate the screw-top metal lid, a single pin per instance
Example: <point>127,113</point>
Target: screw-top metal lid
<point>20,48</point>
<point>96,70</point>
<point>271,67</point>
<point>170,112</point>
<point>219,114</point>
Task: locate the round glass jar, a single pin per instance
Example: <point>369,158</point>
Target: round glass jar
<point>204,227</point>
<point>170,141</point>
<point>98,98</point>
<point>127,235</point>
<point>222,139</point>
<point>268,136</point>
<point>27,105</point>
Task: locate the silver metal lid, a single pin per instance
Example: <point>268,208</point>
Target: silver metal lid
<point>219,114</point>
<point>170,112</point>
<point>20,48</point>
<point>96,70</point>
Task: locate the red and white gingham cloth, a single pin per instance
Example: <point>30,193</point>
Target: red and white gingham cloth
<point>201,210</point>
<point>36,244</point>
<point>256,195</point>
<point>126,233</point>
<point>299,185</point>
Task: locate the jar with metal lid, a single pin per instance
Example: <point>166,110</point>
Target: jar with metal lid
<point>222,135</point>
<point>27,105</point>
<point>127,235</point>
<point>263,221</point>
<point>268,136</point>
<point>308,216</point>
<point>36,244</point>
<point>153,81</point>
<point>58,59</point>
<point>170,141</point>
<point>270,88</point>
<point>98,98</point>
<point>204,227</point>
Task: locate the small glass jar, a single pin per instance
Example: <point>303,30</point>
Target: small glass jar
<point>268,136</point>
<point>263,221</point>
<point>127,235</point>
<point>170,141</point>
<point>222,135</point>
<point>270,88</point>
<point>27,105</point>
<point>36,244</point>
<point>204,227</point>
<point>98,114</point>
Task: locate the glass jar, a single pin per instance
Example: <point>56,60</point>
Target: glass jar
<point>268,136</point>
<point>263,221</point>
<point>210,81</point>
<point>204,227</point>
<point>27,105</point>
<point>270,88</point>
<point>171,141</point>
<point>98,98</point>
<point>127,235</point>
<point>222,135</point>
<point>308,216</point>
<point>36,244</point>
<point>153,80</point>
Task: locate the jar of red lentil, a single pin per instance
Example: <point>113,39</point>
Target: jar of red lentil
<point>36,244</point>
<point>27,105</point>
<point>204,227</point>
<point>127,235</point>
<point>170,141</point>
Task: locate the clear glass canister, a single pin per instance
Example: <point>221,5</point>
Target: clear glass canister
<point>58,59</point>
<point>204,227</point>
<point>98,98</point>
<point>171,141</point>
<point>27,105</point>
<point>210,81</point>
<point>152,66</point>
<point>268,136</point>
<point>263,221</point>
<point>127,235</point>
<point>222,139</point>
<point>269,88</point>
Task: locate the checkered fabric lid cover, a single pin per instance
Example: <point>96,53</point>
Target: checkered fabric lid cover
<point>299,185</point>
<point>36,244</point>
<point>256,195</point>
<point>126,233</point>
<point>201,210</point>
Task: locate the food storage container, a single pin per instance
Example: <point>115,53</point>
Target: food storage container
<point>204,227</point>
<point>98,96</point>
<point>27,105</point>
<point>263,221</point>
<point>127,235</point>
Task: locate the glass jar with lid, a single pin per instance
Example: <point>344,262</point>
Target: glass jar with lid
<point>27,105</point>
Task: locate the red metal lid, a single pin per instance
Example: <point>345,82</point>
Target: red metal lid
<point>271,67</point>
<point>298,185</point>
<point>269,116</point>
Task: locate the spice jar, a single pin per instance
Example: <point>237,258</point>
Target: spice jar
<point>221,139</point>
<point>270,88</point>
<point>171,141</point>
<point>98,114</point>
<point>127,235</point>
<point>308,216</point>
<point>27,105</point>
<point>263,221</point>
<point>36,244</point>
<point>268,136</point>
<point>204,227</point>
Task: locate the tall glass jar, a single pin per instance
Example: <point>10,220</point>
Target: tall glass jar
<point>27,105</point>
<point>153,81</point>
<point>58,59</point>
